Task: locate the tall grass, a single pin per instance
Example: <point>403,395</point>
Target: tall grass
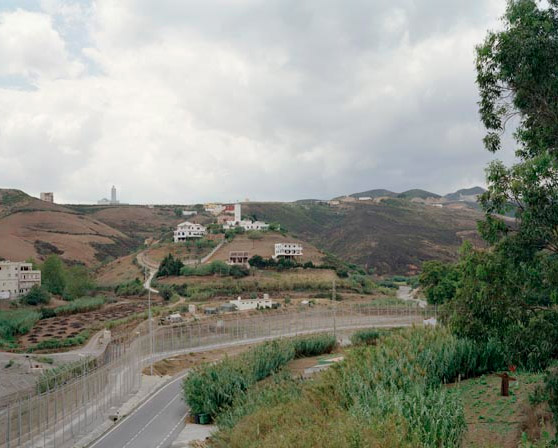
<point>387,395</point>
<point>365,337</point>
<point>81,305</point>
<point>210,389</point>
<point>16,322</point>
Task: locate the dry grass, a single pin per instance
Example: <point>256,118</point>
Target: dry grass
<point>119,271</point>
<point>265,247</point>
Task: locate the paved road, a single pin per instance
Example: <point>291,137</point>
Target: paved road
<point>155,424</point>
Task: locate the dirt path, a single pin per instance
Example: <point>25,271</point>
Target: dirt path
<point>407,294</point>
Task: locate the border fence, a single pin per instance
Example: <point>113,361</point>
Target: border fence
<point>67,409</point>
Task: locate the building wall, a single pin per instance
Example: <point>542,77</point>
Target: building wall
<point>17,279</point>
<point>47,197</point>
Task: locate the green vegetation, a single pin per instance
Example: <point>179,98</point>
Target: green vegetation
<point>38,295</point>
<point>51,344</point>
<point>131,288</point>
<point>53,275</point>
<point>385,395</point>
<point>69,282</point>
<point>365,337</point>
<point>81,305</point>
<point>439,281</point>
<point>211,388</point>
<point>169,266</point>
<point>216,267</point>
<point>14,323</point>
<point>56,376</point>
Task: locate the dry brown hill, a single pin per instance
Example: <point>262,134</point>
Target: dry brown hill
<point>30,227</point>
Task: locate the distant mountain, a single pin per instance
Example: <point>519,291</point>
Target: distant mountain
<point>377,193</point>
<point>418,193</point>
<point>465,194</point>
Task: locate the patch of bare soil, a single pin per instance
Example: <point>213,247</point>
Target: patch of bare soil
<point>176,364</point>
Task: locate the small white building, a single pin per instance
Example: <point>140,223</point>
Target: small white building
<point>252,304</point>
<point>17,279</point>
<point>174,318</point>
<point>187,230</point>
<point>246,224</point>
<point>288,250</point>
<point>189,212</point>
<point>364,198</point>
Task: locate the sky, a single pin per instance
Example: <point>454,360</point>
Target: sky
<point>183,101</point>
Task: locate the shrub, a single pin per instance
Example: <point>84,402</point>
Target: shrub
<point>365,337</point>
<point>131,288</point>
<point>169,266</point>
<point>36,296</point>
<point>166,292</point>
<point>314,345</point>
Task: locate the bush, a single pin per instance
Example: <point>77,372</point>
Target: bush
<point>131,288</point>
<point>166,292</point>
<point>365,337</point>
<point>169,266</point>
<point>38,295</point>
<point>314,345</point>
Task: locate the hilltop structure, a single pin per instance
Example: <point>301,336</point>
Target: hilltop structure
<point>112,200</point>
<point>187,230</point>
<point>17,279</point>
<point>246,224</point>
<point>47,197</point>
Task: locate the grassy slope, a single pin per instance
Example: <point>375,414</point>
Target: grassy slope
<point>389,236</point>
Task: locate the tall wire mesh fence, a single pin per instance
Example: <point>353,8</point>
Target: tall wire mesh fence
<point>64,409</point>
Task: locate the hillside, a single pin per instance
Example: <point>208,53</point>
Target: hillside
<point>30,227</point>
<point>418,193</point>
<point>265,247</point>
<point>394,236</point>
<point>376,193</point>
<point>464,194</point>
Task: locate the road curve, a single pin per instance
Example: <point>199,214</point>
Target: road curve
<point>154,424</point>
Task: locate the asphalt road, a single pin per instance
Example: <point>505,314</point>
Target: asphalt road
<point>155,424</point>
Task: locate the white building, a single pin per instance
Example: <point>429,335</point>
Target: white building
<point>364,198</point>
<point>252,304</point>
<point>189,212</point>
<point>187,230</point>
<point>47,197</point>
<point>288,250</point>
<point>246,224</point>
<point>17,279</point>
<point>112,200</point>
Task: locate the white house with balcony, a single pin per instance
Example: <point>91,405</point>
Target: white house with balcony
<point>17,279</point>
<point>187,230</point>
<point>288,250</point>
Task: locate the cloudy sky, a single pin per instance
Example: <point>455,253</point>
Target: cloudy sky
<point>178,101</point>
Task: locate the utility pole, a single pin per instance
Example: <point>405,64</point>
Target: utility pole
<point>333,297</point>
<point>148,284</point>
